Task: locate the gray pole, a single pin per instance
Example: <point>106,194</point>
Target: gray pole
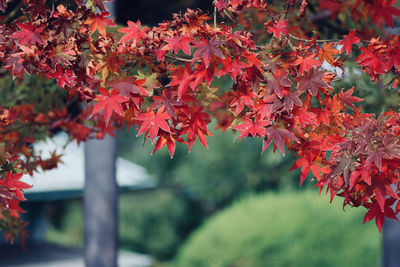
<point>101,198</point>
<point>101,203</point>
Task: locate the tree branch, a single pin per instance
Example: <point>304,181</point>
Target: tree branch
<point>178,58</point>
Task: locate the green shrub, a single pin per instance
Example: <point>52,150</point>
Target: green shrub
<point>289,229</point>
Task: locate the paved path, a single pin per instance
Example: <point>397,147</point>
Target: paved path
<point>52,255</point>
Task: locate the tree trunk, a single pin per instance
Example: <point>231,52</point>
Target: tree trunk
<point>391,243</point>
<point>101,203</point>
<point>101,198</point>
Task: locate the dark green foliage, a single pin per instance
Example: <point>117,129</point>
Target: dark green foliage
<point>44,94</point>
<point>378,96</point>
<point>198,184</point>
<point>289,229</point>
<point>155,222</point>
<point>217,175</point>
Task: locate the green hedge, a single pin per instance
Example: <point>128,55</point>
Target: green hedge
<point>289,229</point>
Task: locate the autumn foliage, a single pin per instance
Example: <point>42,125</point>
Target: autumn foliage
<point>159,81</point>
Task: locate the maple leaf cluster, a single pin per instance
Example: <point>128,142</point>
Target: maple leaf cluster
<point>160,79</point>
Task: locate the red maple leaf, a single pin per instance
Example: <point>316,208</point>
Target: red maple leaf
<point>348,99</point>
<point>28,34</point>
<point>279,28</point>
<point>306,63</point>
<point>306,118</point>
<point>292,99</point>
<point>196,126</point>
<point>385,10</point>
<point>375,211</point>
<point>128,86</point>
<point>206,49</point>
<point>14,207</point>
<point>178,43</point>
<point>279,82</point>
<point>37,8</point>
<point>376,157</point>
<point>233,67</point>
<point>255,128</point>
<point>328,53</point>
<point>267,106</point>
<point>110,102</point>
<point>348,41</point>
<point>311,81</point>
<point>5,196</point>
<point>12,180</point>
<point>181,76</point>
<point>99,22</point>
<point>15,186</point>
<point>166,138</point>
<point>169,101</point>
<point>333,6</point>
<point>242,99</point>
<point>278,135</point>
<point>371,60</point>
<point>354,177</point>
<point>152,122</point>
<point>132,32</point>
<point>64,77</point>
<point>306,164</point>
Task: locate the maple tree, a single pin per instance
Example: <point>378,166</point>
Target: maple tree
<point>159,80</point>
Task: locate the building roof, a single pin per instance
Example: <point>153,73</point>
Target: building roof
<point>68,179</point>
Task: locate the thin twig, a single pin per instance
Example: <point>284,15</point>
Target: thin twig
<point>215,17</point>
<point>12,13</point>
<point>229,16</point>
<point>286,10</point>
<point>307,40</point>
<point>320,40</point>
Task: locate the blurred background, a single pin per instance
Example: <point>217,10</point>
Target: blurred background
<point>226,206</point>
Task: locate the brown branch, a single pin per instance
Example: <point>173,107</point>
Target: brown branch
<point>23,126</point>
<point>178,58</point>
